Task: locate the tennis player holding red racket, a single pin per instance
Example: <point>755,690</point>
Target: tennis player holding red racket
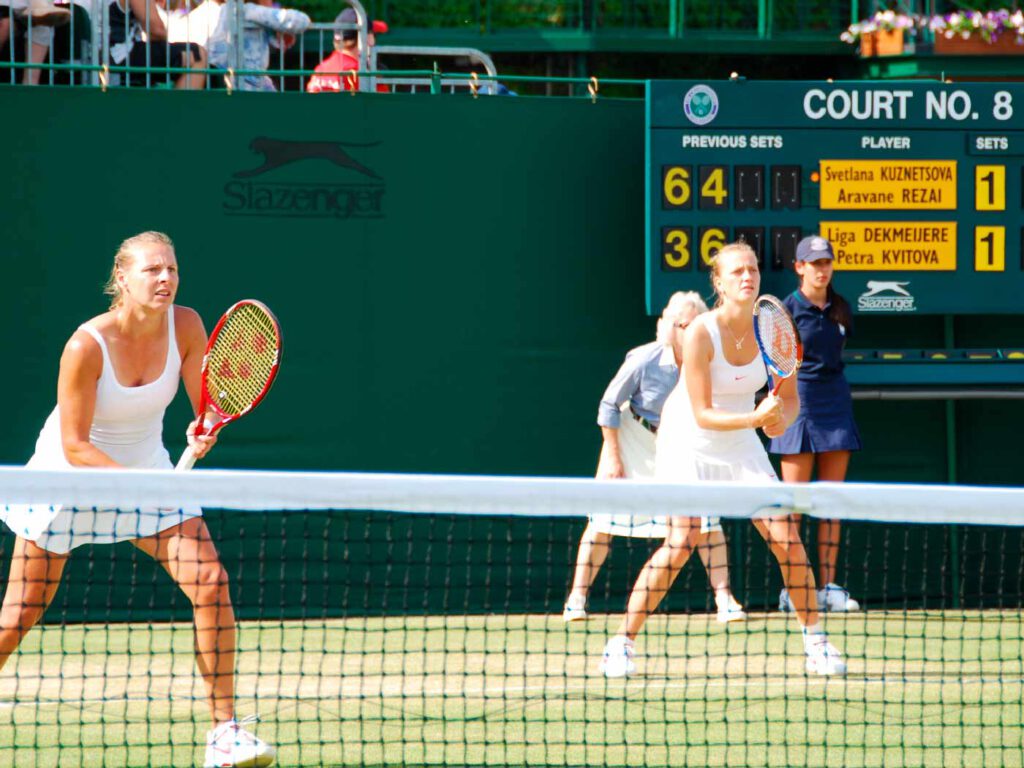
<point>118,373</point>
<point>725,366</point>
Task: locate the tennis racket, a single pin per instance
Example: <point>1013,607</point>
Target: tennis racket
<point>241,361</point>
<point>778,339</point>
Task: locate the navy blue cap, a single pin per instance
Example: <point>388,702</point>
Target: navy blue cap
<point>813,248</point>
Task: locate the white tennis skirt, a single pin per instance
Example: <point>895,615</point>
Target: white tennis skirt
<point>60,529</point>
<point>754,467</point>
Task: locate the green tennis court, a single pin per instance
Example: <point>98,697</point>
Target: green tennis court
<point>932,688</point>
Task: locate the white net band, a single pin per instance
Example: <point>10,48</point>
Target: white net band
<point>552,497</point>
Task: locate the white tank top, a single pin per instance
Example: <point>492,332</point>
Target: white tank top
<point>128,422</point>
<point>732,389</point>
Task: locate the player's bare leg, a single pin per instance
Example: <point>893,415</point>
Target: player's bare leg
<point>33,581</point>
<point>783,537</point>
<point>189,556</point>
<point>659,573</point>
<point>714,554</point>
<point>653,583</point>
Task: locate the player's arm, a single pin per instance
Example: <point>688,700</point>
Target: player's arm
<point>80,367</point>
<point>789,399</point>
<point>191,340</point>
<point>698,352</point>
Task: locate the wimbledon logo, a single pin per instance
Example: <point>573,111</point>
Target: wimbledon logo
<point>700,105</point>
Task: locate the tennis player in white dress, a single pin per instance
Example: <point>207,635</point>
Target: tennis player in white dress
<point>716,439</point>
<point>630,421</point>
<point>118,373</point>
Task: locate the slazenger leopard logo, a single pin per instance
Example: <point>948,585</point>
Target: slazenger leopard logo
<point>360,197</point>
<point>877,286</point>
<point>897,298</point>
<point>700,104</point>
<point>277,153</point>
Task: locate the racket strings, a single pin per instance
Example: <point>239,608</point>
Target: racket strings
<point>776,331</point>
<point>242,359</point>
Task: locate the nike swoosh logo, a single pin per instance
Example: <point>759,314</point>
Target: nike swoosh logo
<point>740,377</point>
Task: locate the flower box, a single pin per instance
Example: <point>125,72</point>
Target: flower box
<point>882,42</point>
<point>957,45</point>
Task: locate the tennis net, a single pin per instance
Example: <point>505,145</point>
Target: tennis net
<point>417,620</point>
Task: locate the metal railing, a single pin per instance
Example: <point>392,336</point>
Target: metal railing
<point>677,18</point>
<point>95,59</point>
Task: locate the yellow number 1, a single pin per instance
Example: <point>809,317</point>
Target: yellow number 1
<point>990,188</point>
<point>990,249</point>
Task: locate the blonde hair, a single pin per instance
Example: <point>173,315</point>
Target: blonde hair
<point>124,256</point>
<point>739,247</point>
<point>678,303</point>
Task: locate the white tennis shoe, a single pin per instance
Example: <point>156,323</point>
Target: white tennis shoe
<point>575,609</point>
<point>729,609</point>
<point>618,657</point>
<point>229,745</point>
<point>823,658</point>
<point>833,598</point>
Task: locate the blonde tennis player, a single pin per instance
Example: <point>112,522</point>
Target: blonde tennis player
<point>118,373</point>
<point>723,370</point>
<point>629,416</point>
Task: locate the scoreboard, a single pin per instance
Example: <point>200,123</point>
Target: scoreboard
<point>917,185</point>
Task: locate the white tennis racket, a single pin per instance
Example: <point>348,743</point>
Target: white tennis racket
<point>778,339</point>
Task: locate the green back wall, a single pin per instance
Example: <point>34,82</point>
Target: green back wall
<point>467,324</point>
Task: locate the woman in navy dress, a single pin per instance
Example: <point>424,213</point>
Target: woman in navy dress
<point>824,433</point>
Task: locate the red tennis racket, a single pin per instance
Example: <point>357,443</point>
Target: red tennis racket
<point>778,339</point>
<point>241,361</point>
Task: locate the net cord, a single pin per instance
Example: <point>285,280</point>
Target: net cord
<point>531,496</point>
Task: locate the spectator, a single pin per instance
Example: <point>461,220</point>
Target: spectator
<point>45,16</point>
<point>338,71</point>
<point>190,25</point>
<point>134,46</point>
<point>264,26</point>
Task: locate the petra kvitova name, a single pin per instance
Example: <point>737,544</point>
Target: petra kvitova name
<point>311,201</point>
<point>730,141</point>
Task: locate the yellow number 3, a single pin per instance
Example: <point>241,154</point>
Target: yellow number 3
<point>679,242</point>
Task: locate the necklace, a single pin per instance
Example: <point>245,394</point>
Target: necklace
<point>739,341</point>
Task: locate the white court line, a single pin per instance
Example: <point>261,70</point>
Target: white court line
<point>497,693</point>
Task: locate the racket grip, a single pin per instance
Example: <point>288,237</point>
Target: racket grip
<point>187,460</point>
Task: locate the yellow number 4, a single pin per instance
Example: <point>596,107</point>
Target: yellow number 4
<point>714,186</point>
